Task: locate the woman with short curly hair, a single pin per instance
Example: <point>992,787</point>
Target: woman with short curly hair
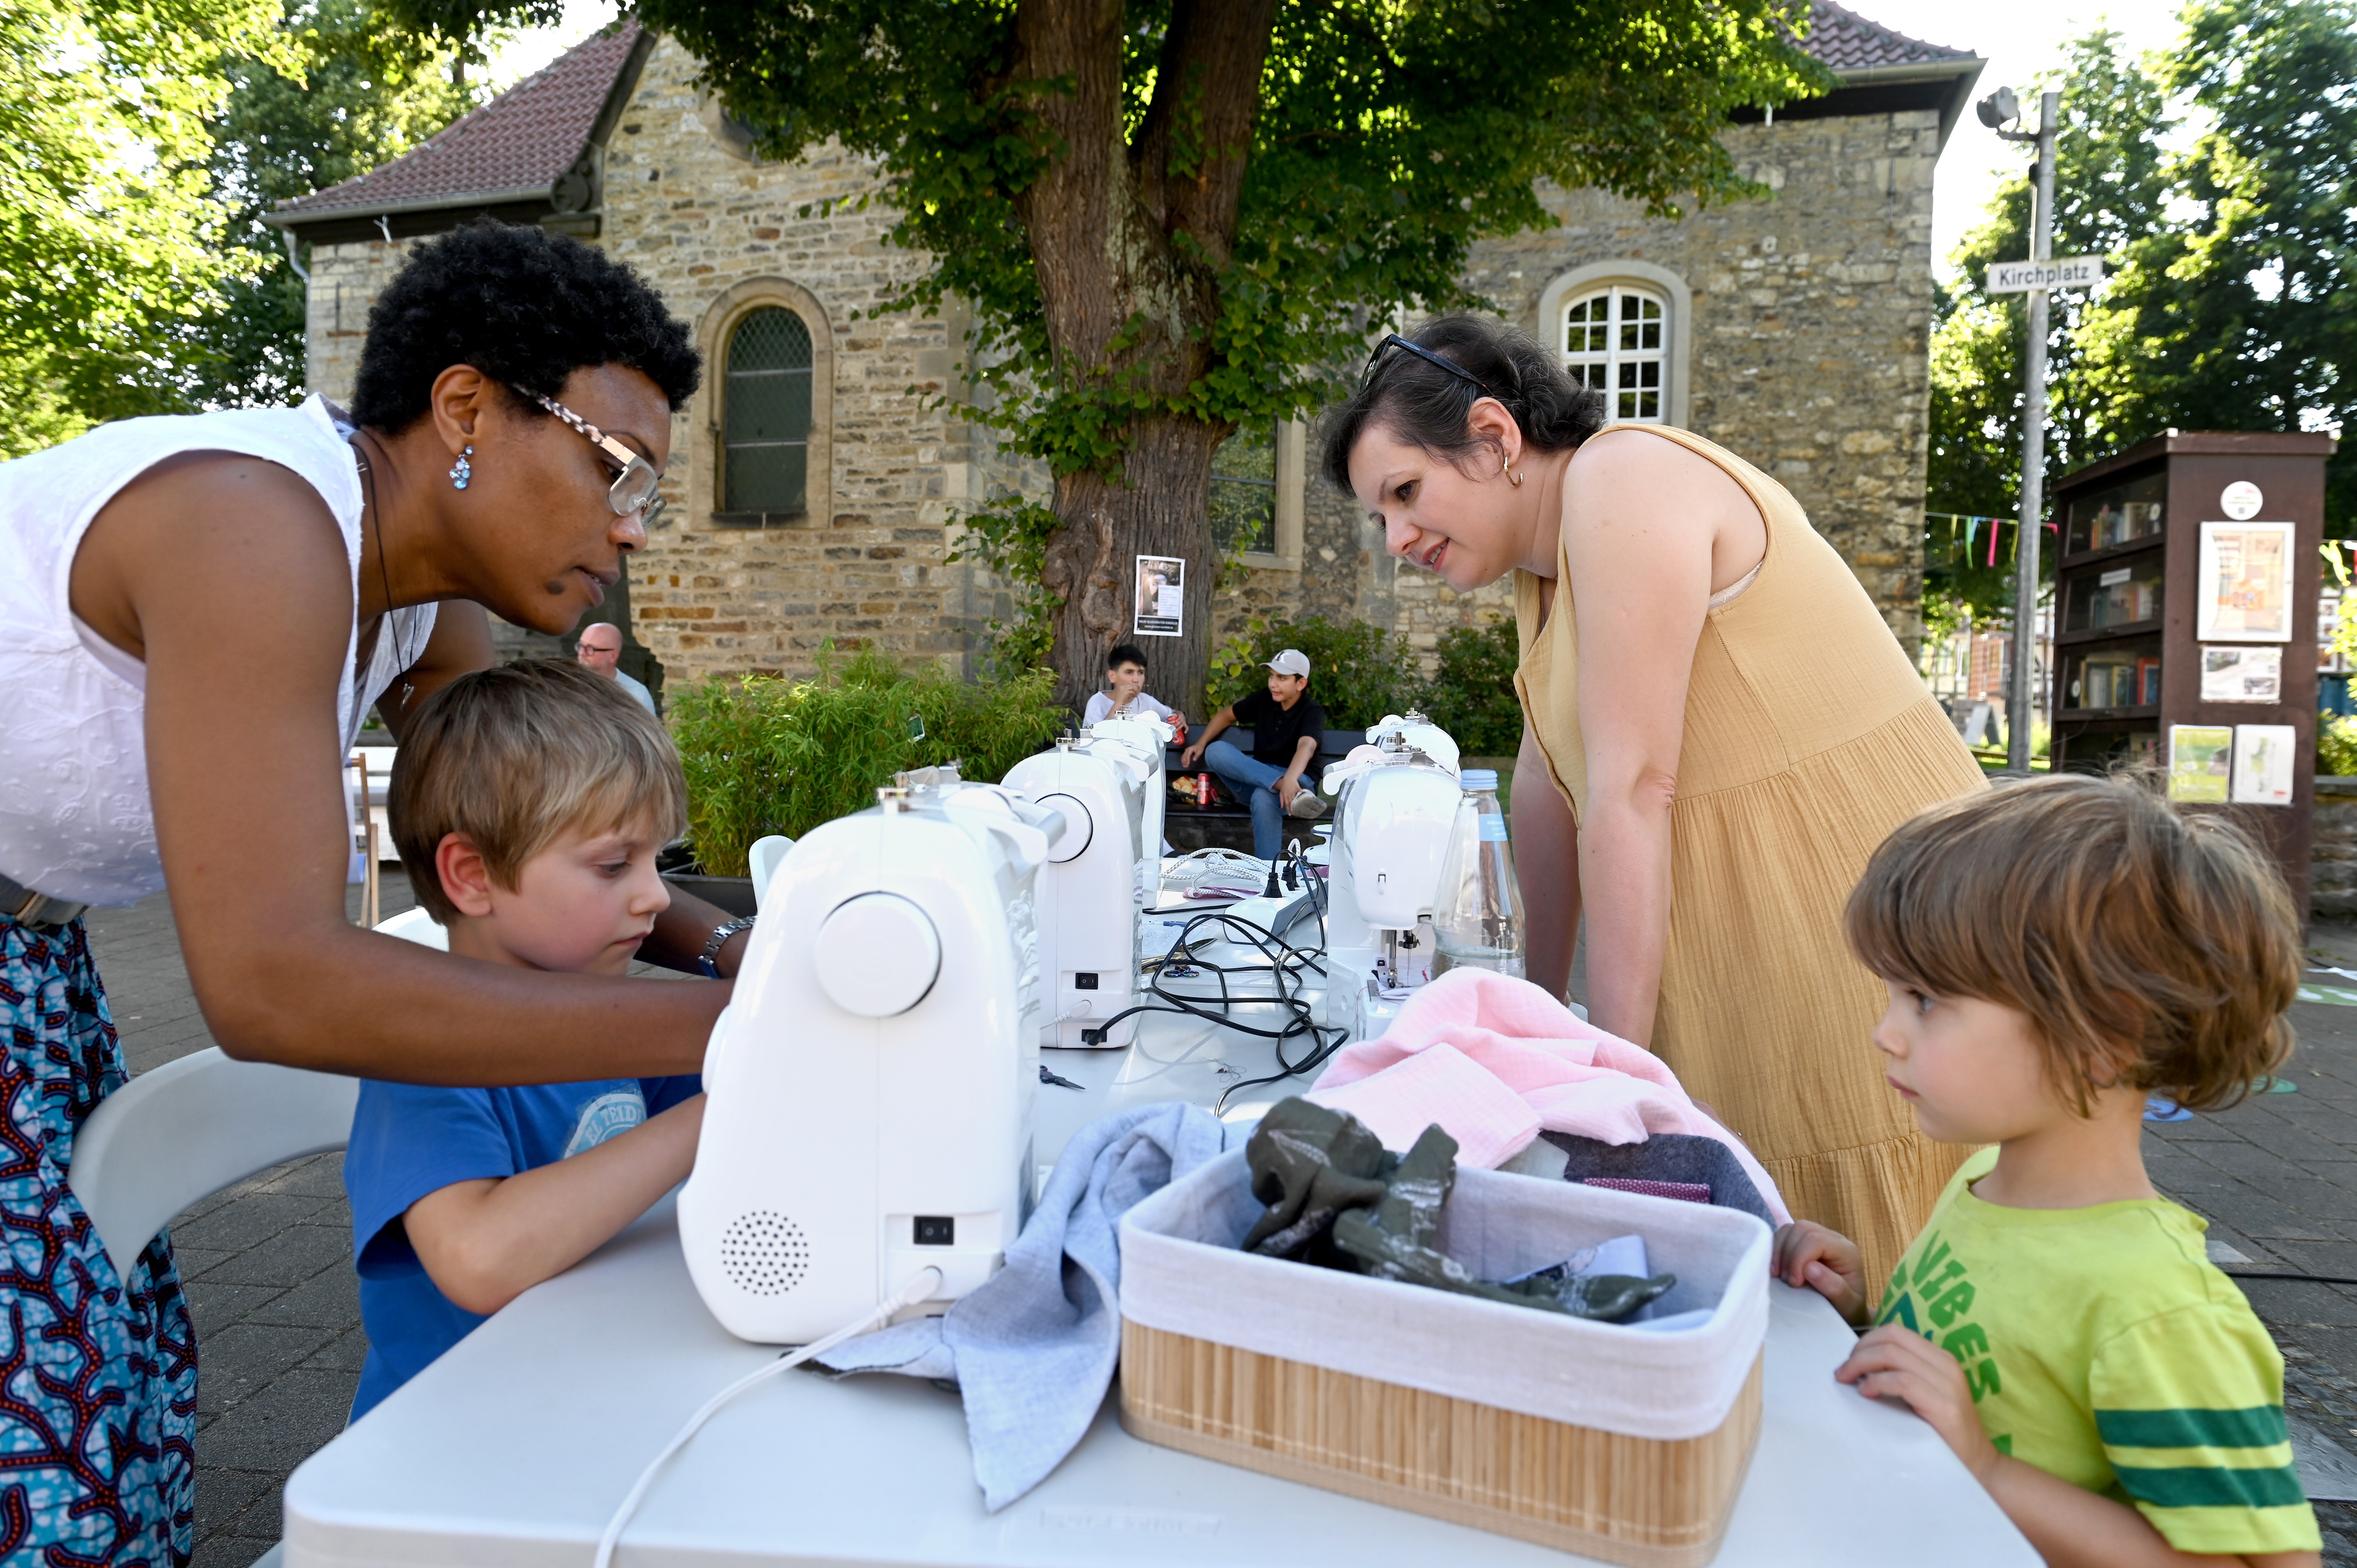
<point>1719,729</point>
<point>195,613</point>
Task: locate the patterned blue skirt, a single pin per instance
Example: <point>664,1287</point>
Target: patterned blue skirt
<point>97,1374</point>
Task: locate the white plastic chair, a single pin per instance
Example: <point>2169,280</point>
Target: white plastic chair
<point>763,859</point>
<point>177,1135</point>
<point>180,1133</point>
<point>416,926</point>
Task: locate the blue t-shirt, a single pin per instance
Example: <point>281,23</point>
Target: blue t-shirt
<point>408,1141</point>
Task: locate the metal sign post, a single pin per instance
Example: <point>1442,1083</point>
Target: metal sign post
<point>2021,700</point>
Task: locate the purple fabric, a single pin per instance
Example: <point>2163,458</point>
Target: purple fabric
<point>1684,1191</point>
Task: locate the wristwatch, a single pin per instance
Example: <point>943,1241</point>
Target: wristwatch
<point>718,939</point>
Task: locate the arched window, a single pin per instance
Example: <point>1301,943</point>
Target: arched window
<point>1616,340</point>
<point>767,416</point>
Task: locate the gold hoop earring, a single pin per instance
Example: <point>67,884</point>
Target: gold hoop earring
<point>1512,478</point>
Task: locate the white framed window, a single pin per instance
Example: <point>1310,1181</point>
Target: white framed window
<point>1258,477</point>
<point>1616,340</point>
<point>1624,327</point>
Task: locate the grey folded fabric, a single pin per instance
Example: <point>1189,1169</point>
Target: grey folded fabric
<point>1033,1349</point>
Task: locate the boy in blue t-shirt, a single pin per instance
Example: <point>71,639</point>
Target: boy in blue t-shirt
<point>527,803</point>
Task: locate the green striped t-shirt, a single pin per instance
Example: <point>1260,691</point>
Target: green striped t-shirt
<point>2103,1348</point>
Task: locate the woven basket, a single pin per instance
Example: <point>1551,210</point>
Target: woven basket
<point>1606,1441</point>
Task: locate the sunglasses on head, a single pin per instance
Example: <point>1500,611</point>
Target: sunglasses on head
<point>1394,341</point>
<point>634,489</point>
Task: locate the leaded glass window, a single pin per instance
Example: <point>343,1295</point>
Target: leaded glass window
<point>1616,340</point>
<point>1244,490</point>
<point>767,421</point>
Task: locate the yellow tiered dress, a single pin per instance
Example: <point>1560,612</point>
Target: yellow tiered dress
<point>1808,738</point>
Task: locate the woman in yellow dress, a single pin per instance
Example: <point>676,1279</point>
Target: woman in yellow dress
<point>1729,726</point>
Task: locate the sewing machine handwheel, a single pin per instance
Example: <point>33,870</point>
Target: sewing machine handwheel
<point>1080,828</point>
<point>878,955</point>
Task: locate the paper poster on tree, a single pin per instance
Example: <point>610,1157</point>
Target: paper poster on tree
<point>2201,761</point>
<point>2244,583</point>
<point>1161,596</point>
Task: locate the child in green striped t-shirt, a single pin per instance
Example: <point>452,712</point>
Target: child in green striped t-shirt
<point>2055,951</point>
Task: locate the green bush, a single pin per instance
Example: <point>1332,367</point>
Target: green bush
<point>1472,692</point>
<point>2336,744</point>
<point>765,755</point>
<point>1358,673</point>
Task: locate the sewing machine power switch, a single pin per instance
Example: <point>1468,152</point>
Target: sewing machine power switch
<point>936,1230</point>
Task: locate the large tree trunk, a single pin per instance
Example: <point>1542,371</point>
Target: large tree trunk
<point>1104,220</point>
<point>1160,506</point>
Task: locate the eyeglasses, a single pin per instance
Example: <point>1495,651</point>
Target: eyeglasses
<point>1394,341</point>
<point>636,488</point>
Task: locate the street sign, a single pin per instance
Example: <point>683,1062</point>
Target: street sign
<point>2062,272</point>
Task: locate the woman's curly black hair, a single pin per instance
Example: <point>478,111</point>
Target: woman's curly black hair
<point>523,306</point>
<point>1428,406</point>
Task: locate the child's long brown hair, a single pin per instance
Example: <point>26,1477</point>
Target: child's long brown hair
<point>2149,947</point>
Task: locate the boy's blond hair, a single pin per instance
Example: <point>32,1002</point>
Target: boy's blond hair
<point>515,757</point>
<point>2148,946</point>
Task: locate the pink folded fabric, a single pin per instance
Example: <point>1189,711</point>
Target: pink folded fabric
<point>1491,1122</point>
<point>1571,1076</point>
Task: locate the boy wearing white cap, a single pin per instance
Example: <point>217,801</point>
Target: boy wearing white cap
<point>1277,777</point>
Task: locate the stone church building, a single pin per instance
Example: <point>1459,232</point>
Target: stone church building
<point>815,496</point>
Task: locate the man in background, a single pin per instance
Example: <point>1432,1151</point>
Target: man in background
<point>600,647</point>
<point>1280,775</point>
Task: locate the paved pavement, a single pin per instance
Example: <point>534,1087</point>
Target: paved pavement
<point>268,1265</point>
<point>269,1272</point>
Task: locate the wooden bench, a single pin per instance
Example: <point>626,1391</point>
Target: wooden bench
<point>1228,825</point>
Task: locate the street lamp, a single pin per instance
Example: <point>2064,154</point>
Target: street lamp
<point>1998,110</point>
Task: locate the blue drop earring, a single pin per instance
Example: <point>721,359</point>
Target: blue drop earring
<point>462,472</point>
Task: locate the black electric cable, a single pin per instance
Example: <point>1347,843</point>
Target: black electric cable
<point>1284,966</point>
<point>2295,1279</point>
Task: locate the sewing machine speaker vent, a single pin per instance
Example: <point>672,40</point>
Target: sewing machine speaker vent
<point>764,1253</point>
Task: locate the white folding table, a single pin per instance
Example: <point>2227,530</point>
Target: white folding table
<point>512,1450</point>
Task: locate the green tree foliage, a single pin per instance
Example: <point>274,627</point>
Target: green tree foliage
<point>1170,218</point>
<point>2239,319</point>
<point>2110,190</point>
<point>108,236</point>
<point>2232,262</point>
<point>348,89</point>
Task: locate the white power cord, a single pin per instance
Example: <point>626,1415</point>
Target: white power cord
<point>927,1281</point>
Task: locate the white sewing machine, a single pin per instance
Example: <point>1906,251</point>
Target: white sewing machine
<point>871,1084</point>
<point>1392,821</point>
<point>1088,890</point>
<point>1150,738</point>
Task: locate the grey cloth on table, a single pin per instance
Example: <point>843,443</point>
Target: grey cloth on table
<point>1667,1156</point>
<point>1033,1349</point>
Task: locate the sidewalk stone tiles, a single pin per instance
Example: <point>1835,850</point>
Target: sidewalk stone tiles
<point>278,1311</point>
<point>267,1264</point>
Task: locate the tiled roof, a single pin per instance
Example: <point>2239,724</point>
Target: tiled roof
<point>522,140</point>
<point>1847,42</point>
<point>519,140</point>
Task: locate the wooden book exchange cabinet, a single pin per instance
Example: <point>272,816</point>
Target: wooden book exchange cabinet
<point>2185,624</point>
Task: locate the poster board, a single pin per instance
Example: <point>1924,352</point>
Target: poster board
<point>2200,761</point>
<point>1161,608</point>
<point>2264,754</point>
<point>2241,675</point>
<point>2243,583</point>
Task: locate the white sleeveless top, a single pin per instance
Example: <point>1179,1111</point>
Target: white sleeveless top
<point>75,819</point>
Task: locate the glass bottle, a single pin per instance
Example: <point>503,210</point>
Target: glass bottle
<point>1478,911</point>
